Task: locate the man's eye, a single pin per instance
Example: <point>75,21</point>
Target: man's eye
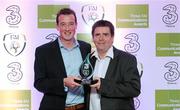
<point>71,23</point>
<point>106,34</point>
<point>97,34</point>
<point>62,24</point>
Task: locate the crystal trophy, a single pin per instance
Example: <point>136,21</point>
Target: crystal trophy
<point>86,72</point>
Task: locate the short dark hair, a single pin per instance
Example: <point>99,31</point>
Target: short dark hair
<point>103,23</point>
<point>65,11</point>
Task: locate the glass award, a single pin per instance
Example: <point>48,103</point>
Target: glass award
<point>86,72</point>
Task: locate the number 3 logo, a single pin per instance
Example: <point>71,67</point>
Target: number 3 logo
<point>173,73</point>
<point>171,17</point>
<point>133,45</point>
<point>15,74</point>
<point>14,17</point>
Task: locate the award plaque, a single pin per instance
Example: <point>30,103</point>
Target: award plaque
<point>86,72</point>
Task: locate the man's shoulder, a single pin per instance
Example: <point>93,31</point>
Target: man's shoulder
<point>122,53</point>
<point>47,45</point>
<point>83,42</point>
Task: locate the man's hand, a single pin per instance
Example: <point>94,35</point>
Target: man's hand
<point>96,85</point>
<point>70,83</point>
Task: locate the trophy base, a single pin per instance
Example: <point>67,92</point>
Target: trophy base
<point>86,81</point>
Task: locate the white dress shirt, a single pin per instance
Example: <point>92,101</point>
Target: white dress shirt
<point>99,71</point>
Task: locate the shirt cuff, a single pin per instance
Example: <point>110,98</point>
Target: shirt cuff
<point>65,89</point>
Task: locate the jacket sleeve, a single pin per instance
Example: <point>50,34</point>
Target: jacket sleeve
<point>124,79</point>
<point>46,80</point>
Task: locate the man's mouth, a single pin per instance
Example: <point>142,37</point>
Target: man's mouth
<point>67,33</point>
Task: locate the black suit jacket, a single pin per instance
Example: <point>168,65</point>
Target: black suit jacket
<point>49,73</point>
<point>121,83</point>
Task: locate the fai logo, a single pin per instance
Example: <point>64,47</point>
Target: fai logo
<point>16,74</point>
<point>171,16</point>
<point>92,13</point>
<point>172,74</point>
<point>133,46</point>
<point>14,17</point>
<point>52,37</point>
<point>14,43</point>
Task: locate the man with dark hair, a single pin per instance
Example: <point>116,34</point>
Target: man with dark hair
<point>57,65</point>
<point>116,72</point>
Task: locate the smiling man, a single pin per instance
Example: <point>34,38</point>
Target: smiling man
<point>116,72</point>
<point>57,65</point>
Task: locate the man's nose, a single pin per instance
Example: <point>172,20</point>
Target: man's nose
<point>101,37</point>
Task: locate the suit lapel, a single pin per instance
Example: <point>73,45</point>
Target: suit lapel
<point>56,53</point>
<point>112,65</point>
<point>82,50</point>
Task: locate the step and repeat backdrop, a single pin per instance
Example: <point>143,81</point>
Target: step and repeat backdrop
<point>148,29</point>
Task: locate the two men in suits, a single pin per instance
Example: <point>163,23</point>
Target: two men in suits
<point>57,65</point>
<point>116,72</point>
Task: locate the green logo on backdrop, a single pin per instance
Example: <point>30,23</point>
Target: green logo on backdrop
<point>47,15</point>
<point>167,99</point>
<point>15,100</point>
<point>167,44</point>
<point>132,16</point>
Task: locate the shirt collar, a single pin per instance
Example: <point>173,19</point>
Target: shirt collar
<point>76,44</point>
<point>109,53</point>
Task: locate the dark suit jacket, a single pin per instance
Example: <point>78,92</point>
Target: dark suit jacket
<point>121,83</point>
<point>49,73</point>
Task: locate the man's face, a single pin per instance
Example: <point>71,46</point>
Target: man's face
<point>67,27</point>
<point>102,39</point>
